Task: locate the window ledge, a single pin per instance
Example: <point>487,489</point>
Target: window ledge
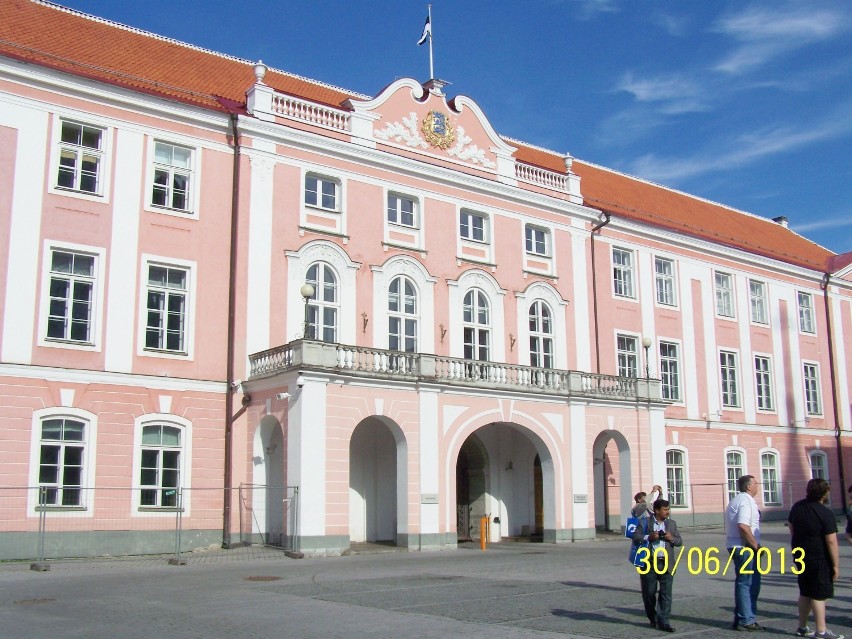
<point>164,351</point>
<point>321,231</point>
<point>61,509</point>
<point>160,509</point>
<point>549,276</point>
<point>405,247</point>
<point>471,260</point>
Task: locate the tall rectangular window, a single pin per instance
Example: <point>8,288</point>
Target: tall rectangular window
<point>628,356</point>
<point>813,404</point>
<point>159,473</point>
<point>622,272</point>
<point>730,384</point>
<point>734,469</point>
<point>769,475</point>
<point>664,273</point>
<point>472,226</point>
<point>166,323</point>
<point>724,294</point>
<point>61,459</point>
<point>172,176</point>
<point>536,240</point>
<point>806,313</point>
<point>401,210</point>
<point>757,299</point>
<point>763,382</point>
<point>819,465</point>
<point>80,157</point>
<point>321,192</point>
<point>676,477</point>
<point>71,290</point>
<point>670,371</point>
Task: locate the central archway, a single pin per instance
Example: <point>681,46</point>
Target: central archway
<point>612,480</point>
<point>504,471</point>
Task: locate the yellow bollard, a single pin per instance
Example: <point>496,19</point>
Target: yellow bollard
<point>483,536</point>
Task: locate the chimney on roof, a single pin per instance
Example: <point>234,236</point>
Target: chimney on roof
<point>781,219</point>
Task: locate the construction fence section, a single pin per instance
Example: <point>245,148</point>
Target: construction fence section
<point>39,525</point>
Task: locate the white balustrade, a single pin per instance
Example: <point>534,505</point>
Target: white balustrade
<point>290,107</point>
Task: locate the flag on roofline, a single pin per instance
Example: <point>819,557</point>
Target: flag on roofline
<point>427,30</point>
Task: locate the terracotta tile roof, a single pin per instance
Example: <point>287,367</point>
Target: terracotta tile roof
<point>70,41</point>
<point>49,35</point>
<point>642,201</point>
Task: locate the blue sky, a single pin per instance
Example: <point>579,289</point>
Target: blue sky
<point>744,103</point>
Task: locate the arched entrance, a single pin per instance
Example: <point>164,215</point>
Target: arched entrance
<point>504,471</point>
<point>268,512</point>
<point>377,482</point>
<point>612,480</point>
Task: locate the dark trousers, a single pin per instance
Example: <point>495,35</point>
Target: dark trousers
<point>658,605</point>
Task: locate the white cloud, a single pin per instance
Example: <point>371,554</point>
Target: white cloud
<point>675,93</point>
<point>741,151</point>
<point>767,33</point>
<point>828,223</point>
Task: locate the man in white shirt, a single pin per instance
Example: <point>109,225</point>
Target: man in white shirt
<point>742,537</point>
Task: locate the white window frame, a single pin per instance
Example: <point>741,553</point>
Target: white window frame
<point>317,306</point>
<point>677,499</point>
<point>807,318</point>
<point>190,314</point>
<point>729,385</point>
<point>185,480</point>
<point>105,167</point>
<point>541,336</point>
<point>812,389</point>
<point>477,327</point>
<point>194,194</point>
<point>723,285</point>
<point>402,317</point>
<point>627,361</point>
<point>537,240</point>
<point>763,378</point>
<point>468,236</point>
<point>96,314</point>
<point>665,284</point>
<point>759,304</point>
<point>731,478</point>
<point>764,482</point>
<point>670,371</point>
<point>623,273</point>
<point>89,457</point>
<point>397,213</point>
<point>822,467</point>
<point>320,192</point>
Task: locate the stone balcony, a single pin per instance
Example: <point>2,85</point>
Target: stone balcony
<point>379,364</point>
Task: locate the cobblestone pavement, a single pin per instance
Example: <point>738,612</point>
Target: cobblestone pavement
<point>511,590</point>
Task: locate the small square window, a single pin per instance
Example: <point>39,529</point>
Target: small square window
<point>80,158</point>
<point>472,226</point>
<point>172,177</point>
<point>402,210</point>
<point>322,192</point>
<point>537,241</point>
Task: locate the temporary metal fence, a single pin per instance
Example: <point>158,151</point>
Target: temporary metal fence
<point>39,525</point>
<point>703,504</point>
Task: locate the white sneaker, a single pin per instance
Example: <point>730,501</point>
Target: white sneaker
<point>828,634</point>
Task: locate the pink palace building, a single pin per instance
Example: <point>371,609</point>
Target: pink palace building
<point>297,315</point>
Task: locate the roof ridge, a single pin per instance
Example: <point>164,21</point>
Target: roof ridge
<point>156,36</point>
<point>529,145</point>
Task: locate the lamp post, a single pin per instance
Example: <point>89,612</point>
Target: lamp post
<point>646,344</point>
<point>307,292</point>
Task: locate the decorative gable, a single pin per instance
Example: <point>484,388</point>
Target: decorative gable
<point>420,119</point>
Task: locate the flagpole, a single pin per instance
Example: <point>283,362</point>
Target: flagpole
<point>431,62</point>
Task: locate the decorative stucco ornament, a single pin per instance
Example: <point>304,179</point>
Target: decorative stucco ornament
<point>437,130</point>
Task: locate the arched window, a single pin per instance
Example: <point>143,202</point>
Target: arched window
<point>62,455</point>
<point>769,475</point>
<point>734,469</point>
<point>819,465</point>
<point>402,315</point>
<point>477,326</point>
<point>541,335</point>
<point>323,305</point>
<point>159,473</point>
<point>676,477</point>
